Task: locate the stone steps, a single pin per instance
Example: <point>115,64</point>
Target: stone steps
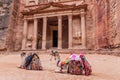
<point>68,51</point>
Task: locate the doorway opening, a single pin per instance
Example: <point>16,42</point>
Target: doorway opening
<point>55,38</point>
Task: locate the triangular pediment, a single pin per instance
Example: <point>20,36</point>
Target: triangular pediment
<point>53,6</point>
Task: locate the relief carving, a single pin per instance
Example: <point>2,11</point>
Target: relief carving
<point>29,41</point>
<point>77,38</point>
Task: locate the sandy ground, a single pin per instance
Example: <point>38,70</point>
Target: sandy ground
<point>104,67</point>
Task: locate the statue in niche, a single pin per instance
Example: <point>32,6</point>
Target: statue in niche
<point>77,35</point>
<point>77,38</point>
<point>29,41</point>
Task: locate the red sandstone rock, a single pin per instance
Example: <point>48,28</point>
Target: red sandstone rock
<point>102,24</point>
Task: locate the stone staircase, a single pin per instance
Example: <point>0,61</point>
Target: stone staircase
<point>67,51</point>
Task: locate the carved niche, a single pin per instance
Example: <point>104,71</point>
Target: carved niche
<point>29,41</point>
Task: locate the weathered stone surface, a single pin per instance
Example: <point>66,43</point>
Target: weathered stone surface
<point>102,24</point>
<point>5,7</point>
<point>12,26</point>
<point>104,67</point>
<point>114,23</point>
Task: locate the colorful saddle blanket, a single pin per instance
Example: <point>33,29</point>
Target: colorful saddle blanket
<point>33,62</point>
<point>75,67</point>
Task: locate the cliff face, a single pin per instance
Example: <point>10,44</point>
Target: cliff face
<point>106,22</point>
<point>97,24</point>
<point>114,23</point>
<point>103,19</point>
<point>12,26</point>
<point>5,7</point>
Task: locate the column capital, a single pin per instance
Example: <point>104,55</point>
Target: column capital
<point>70,15</point>
<point>59,16</point>
<point>44,16</point>
<point>45,19</point>
<point>82,12</point>
<point>35,18</point>
<point>25,19</point>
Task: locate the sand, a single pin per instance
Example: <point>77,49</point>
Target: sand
<point>105,67</point>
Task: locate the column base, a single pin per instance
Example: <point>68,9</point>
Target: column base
<point>43,48</point>
<point>59,48</point>
<point>70,48</point>
<point>23,49</point>
<point>83,47</point>
<point>34,49</point>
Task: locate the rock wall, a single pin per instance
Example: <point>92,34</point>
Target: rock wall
<point>90,31</point>
<point>5,7</point>
<point>12,30</point>
<point>114,23</point>
<point>103,26</point>
<point>99,30</point>
<point>106,23</point>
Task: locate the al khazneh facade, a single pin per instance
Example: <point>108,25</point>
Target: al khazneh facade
<point>54,24</point>
<point>63,24</point>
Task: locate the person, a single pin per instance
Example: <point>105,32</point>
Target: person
<point>56,56</point>
<point>23,56</point>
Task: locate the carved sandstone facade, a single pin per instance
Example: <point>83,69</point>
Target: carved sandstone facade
<point>54,24</point>
<point>64,24</point>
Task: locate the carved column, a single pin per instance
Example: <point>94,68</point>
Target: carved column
<point>34,46</point>
<point>44,32</point>
<point>70,31</point>
<point>82,15</point>
<point>59,32</point>
<point>24,34</point>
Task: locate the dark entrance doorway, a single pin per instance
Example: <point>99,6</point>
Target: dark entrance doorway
<point>55,38</point>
